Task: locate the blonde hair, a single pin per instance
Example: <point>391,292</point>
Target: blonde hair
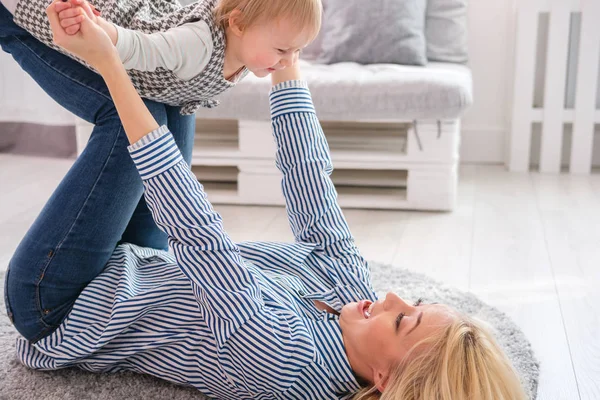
<point>459,361</point>
<point>305,14</point>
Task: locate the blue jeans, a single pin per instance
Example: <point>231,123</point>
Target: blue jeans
<point>97,205</point>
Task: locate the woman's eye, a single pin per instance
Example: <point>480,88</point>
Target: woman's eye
<point>399,319</point>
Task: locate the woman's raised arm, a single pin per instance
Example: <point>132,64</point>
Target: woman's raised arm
<point>303,157</point>
<point>226,289</point>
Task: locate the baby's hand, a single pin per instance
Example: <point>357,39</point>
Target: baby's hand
<point>70,14</point>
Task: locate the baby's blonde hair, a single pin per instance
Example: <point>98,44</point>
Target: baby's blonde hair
<point>305,14</point>
<point>459,361</point>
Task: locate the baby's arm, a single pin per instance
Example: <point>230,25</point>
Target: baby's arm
<point>185,50</point>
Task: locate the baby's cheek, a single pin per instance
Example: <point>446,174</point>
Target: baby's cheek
<point>265,60</point>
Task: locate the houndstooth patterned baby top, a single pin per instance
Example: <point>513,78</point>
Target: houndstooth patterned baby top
<point>151,16</point>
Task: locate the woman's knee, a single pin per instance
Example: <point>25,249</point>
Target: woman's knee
<point>69,83</point>
<point>20,303</point>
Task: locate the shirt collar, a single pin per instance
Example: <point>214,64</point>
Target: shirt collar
<point>330,346</point>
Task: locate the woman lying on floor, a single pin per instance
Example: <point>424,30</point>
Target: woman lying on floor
<point>236,321</point>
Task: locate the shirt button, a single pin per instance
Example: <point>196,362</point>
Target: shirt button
<point>301,293</point>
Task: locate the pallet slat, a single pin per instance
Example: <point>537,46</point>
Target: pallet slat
<point>520,140</point>
<point>554,113</point>
<point>555,85</point>
<point>585,101</point>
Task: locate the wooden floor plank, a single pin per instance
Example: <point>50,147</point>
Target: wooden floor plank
<point>511,270</point>
<point>439,244</point>
<point>570,211</point>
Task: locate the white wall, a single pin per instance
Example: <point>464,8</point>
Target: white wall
<point>491,48</point>
<point>21,99</point>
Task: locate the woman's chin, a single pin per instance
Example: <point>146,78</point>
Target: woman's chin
<point>347,311</point>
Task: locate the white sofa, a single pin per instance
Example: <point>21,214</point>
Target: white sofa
<point>393,130</point>
<point>394,133</point>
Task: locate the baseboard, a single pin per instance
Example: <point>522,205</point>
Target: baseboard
<point>37,140</point>
<point>486,145</point>
<point>483,145</point>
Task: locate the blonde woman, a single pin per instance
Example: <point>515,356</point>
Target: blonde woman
<point>254,320</point>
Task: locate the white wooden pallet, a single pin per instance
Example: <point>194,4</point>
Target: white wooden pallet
<point>381,165</point>
<point>377,164</point>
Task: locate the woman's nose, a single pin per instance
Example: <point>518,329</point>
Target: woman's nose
<point>392,300</point>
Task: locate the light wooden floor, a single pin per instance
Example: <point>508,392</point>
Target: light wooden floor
<point>526,243</point>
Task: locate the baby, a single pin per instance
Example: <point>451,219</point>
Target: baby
<point>186,56</point>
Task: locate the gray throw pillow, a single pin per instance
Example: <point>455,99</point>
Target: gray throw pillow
<point>446,31</point>
<point>372,32</point>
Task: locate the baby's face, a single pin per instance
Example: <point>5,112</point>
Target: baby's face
<point>268,47</point>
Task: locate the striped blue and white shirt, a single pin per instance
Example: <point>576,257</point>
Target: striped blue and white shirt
<point>236,321</point>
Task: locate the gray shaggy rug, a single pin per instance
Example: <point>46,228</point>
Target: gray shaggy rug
<point>20,383</point>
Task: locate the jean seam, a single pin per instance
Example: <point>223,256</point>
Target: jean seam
<point>9,310</point>
<point>42,334</point>
<point>62,73</point>
<point>58,246</point>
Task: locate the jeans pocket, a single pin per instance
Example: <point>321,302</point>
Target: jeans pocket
<point>6,302</point>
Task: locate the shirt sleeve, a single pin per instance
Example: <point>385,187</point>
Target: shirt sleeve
<point>226,290</point>
<point>311,198</point>
<point>185,49</point>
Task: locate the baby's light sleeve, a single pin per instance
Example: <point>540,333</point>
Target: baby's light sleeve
<point>185,50</point>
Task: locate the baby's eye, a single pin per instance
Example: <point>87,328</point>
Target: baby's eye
<point>281,51</point>
<point>418,302</point>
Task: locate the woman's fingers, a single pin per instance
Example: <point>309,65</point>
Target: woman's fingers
<point>73,29</point>
<point>62,5</point>
<point>90,10</point>
<point>57,30</point>
<point>90,43</point>
<point>70,18</point>
<point>69,12</point>
<point>67,22</point>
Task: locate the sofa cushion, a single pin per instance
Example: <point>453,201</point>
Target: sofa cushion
<point>371,32</point>
<point>353,92</point>
<point>446,31</point>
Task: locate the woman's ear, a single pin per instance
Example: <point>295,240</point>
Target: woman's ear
<point>380,380</point>
<point>234,22</point>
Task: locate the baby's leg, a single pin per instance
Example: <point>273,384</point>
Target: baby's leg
<point>77,231</point>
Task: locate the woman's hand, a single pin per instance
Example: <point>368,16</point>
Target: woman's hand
<point>286,74</point>
<point>91,43</point>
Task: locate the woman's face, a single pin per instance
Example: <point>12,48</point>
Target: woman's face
<point>378,335</point>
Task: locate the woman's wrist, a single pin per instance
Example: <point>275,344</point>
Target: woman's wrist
<point>287,74</point>
<point>109,64</point>
<point>110,29</point>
